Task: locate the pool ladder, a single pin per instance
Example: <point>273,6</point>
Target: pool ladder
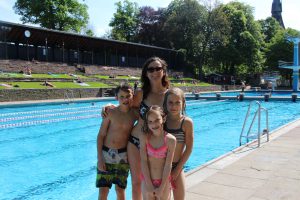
<point>69,96</point>
<point>257,115</point>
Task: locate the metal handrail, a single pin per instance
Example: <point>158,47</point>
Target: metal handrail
<point>246,118</point>
<point>68,97</point>
<point>257,114</point>
<point>266,130</point>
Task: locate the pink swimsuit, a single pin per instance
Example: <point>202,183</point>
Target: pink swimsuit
<point>160,152</point>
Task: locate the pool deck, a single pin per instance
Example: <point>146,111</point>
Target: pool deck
<point>270,172</point>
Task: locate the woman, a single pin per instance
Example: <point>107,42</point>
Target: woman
<point>155,84</point>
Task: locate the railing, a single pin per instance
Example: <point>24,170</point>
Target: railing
<point>257,115</point>
<point>69,96</point>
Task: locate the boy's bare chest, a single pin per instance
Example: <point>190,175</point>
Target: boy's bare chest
<point>123,120</point>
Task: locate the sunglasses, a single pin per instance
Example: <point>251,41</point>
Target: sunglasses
<point>154,69</point>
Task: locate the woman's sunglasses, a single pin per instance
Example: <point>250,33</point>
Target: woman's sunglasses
<point>154,69</point>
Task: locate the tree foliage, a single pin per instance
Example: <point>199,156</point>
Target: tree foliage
<point>150,25</point>
<point>124,21</point>
<point>214,37</point>
<point>244,41</point>
<point>63,15</point>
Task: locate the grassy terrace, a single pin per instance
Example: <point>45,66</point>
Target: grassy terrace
<point>28,84</point>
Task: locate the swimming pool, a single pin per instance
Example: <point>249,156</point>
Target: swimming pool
<point>53,156</point>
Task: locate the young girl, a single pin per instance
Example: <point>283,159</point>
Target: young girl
<point>181,127</point>
<point>157,151</point>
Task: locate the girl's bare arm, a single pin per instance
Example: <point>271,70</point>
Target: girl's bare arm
<point>189,141</point>
<point>168,164</point>
<point>144,162</point>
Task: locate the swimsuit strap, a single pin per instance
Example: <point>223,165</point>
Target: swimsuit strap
<point>160,152</point>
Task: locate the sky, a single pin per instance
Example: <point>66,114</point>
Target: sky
<point>101,11</point>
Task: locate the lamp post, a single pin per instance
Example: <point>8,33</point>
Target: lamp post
<point>6,29</point>
<point>27,35</point>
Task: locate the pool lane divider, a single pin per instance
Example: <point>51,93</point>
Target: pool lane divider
<point>46,115</point>
<point>50,110</point>
<point>38,122</point>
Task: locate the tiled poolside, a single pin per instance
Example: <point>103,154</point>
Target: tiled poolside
<point>271,172</point>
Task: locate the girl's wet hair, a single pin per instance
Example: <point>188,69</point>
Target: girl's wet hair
<point>178,92</point>
<point>152,109</point>
<point>146,87</point>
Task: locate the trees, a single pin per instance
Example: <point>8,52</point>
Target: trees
<point>63,15</point>
<point>185,28</point>
<point>124,22</point>
<point>242,53</point>
<point>269,28</point>
<point>150,25</point>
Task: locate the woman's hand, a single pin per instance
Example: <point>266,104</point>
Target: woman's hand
<point>105,109</point>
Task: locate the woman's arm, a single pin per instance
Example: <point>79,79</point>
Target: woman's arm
<point>144,163</point>
<point>171,141</point>
<point>106,109</point>
<point>189,141</point>
<point>137,98</point>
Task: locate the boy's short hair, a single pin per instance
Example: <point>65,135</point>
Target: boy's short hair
<point>124,87</point>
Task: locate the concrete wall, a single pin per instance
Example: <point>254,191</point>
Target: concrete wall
<point>43,94</point>
<point>53,93</point>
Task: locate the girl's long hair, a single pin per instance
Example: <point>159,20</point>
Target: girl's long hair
<point>146,87</point>
<point>178,92</point>
<point>152,109</point>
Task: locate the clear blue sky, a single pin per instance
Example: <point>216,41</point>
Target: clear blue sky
<point>101,11</point>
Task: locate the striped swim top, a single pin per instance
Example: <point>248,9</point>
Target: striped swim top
<point>178,133</point>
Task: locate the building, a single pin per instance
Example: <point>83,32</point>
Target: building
<point>276,11</point>
<point>22,42</point>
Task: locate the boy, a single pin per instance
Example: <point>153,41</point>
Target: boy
<point>112,141</point>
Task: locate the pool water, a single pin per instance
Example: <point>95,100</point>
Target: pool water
<point>49,152</point>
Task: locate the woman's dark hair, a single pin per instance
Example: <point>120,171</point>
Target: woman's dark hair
<point>178,92</point>
<point>146,87</point>
<point>152,109</point>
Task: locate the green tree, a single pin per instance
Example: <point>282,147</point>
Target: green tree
<point>184,28</point>
<point>269,28</point>
<point>63,15</point>
<point>279,48</point>
<point>242,53</point>
<point>124,21</point>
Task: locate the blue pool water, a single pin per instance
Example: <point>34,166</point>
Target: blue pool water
<point>251,93</point>
<point>49,152</point>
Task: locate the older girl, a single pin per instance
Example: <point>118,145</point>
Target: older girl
<point>181,127</point>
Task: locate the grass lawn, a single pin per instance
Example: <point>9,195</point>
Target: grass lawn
<point>190,84</point>
<point>117,77</point>
<point>37,85</point>
<point>52,76</point>
<point>181,79</point>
